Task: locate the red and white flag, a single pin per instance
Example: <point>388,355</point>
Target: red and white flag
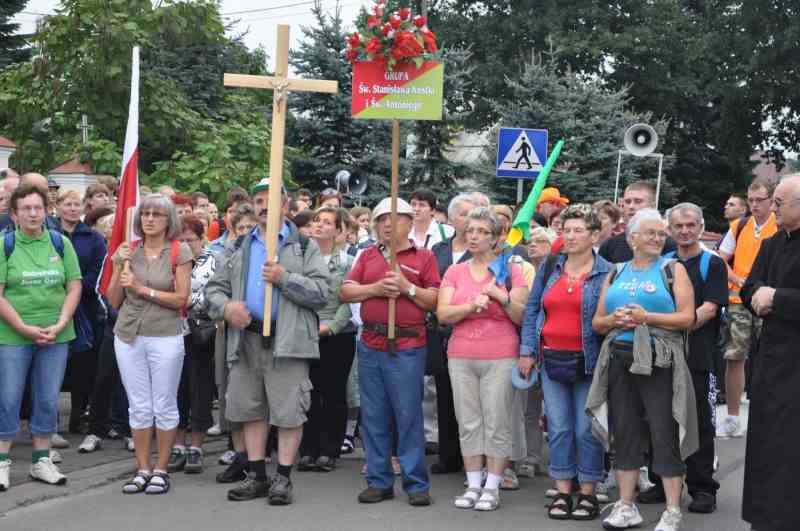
<point>128,195</point>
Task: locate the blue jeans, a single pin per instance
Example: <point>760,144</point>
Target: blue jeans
<point>46,366</point>
<point>574,450</point>
<point>391,391</point>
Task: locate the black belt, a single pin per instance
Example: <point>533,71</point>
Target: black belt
<point>383,330</point>
<point>257,327</point>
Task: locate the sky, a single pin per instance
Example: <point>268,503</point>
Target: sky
<point>256,17</point>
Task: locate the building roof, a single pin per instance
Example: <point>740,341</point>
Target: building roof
<point>4,142</point>
<point>767,169</point>
<point>72,166</point>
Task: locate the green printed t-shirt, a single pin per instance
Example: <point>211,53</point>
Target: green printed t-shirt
<point>35,280</point>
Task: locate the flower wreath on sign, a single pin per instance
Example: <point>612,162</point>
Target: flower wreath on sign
<point>391,38</point>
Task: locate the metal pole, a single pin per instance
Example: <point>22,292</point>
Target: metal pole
<point>616,183</point>
<point>519,191</point>
<point>658,182</point>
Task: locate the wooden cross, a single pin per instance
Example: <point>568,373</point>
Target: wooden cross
<point>281,84</point>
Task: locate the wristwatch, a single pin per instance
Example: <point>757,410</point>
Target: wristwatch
<point>152,293</point>
<point>412,291</point>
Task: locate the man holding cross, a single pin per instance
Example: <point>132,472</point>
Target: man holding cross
<point>269,381</point>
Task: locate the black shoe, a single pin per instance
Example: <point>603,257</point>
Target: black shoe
<point>306,464</point>
<point>375,495</point>
<point>703,502</point>
<point>177,460</point>
<point>440,468</point>
<point>236,471</point>
<point>431,448</point>
<point>194,462</point>
<point>325,463</point>
<point>249,489</point>
<point>280,490</point>
<point>652,495</point>
<point>348,445</point>
<point>419,499</point>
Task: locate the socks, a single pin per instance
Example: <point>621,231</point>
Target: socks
<point>351,428</point>
<point>5,457</point>
<point>38,455</point>
<point>259,468</point>
<point>474,479</point>
<point>285,470</point>
<point>493,481</point>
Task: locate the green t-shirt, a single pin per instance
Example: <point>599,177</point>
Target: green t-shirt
<point>35,280</point>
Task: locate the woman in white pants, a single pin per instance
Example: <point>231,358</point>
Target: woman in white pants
<point>150,294</point>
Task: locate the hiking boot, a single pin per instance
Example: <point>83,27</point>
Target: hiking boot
<point>419,499</point>
<point>703,503</point>
<point>375,495</point>
<point>280,490</point>
<point>236,471</point>
<point>194,461</point>
<point>177,460</point>
<point>249,489</point>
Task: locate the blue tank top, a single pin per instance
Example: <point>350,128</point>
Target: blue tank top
<point>646,288</point>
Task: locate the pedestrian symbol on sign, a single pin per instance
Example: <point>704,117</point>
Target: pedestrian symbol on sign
<point>520,152</point>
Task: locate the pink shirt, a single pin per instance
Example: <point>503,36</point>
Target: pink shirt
<point>489,335</point>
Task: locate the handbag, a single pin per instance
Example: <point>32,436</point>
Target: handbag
<point>202,333</point>
<point>564,366</point>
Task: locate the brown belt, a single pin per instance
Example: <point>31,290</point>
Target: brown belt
<point>383,330</point>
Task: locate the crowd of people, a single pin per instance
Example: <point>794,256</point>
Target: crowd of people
<point>609,334</point>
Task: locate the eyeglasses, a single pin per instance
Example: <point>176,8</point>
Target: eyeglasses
<point>31,208</point>
<point>654,234</point>
<point>780,203</point>
<point>479,231</point>
<point>154,215</point>
<point>757,200</point>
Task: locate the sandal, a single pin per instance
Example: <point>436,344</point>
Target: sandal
<point>137,483</point>
<point>158,484</point>
<point>586,508</point>
<point>561,507</point>
<point>489,500</point>
<point>468,499</point>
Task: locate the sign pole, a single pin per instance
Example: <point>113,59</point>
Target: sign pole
<point>519,191</point>
<point>395,189</point>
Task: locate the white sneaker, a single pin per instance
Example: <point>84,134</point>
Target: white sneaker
<point>670,520</point>
<point>55,456</point>
<point>214,431</point>
<point>644,480</point>
<point>731,427</point>
<point>46,471</point>
<point>623,515</point>
<point>5,474</point>
<point>90,444</point>
<point>227,458</point>
<point>57,441</point>
<point>128,442</point>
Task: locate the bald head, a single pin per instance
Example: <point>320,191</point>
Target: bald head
<point>786,203</point>
<point>36,179</point>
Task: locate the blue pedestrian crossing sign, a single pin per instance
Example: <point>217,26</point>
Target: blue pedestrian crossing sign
<point>521,153</point>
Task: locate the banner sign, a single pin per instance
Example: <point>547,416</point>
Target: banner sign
<point>405,93</point>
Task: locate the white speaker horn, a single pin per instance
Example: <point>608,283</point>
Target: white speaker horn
<point>640,140</point>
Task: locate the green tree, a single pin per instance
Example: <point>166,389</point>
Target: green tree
<point>13,47</point>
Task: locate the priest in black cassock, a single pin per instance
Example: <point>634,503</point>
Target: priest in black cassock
<point>772,460</point>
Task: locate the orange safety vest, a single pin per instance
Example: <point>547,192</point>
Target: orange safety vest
<point>747,247</point>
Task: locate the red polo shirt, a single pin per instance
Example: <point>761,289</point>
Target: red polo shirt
<point>419,267</point>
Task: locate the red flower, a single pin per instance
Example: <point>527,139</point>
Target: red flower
<point>406,46</point>
<point>354,40</point>
<point>430,41</point>
<point>378,9</point>
<point>374,46</point>
<point>395,21</point>
<point>420,21</point>
<point>373,22</point>
<point>405,13</point>
<point>352,55</point>
<point>386,29</point>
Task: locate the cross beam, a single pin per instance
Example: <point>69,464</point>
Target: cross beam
<point>281,84</point>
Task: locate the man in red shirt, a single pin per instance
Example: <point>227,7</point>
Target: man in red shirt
<point>391,382</point>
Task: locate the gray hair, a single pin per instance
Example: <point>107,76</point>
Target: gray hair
<point>485,214</point>
<point>480,199</point>
<point>645,214</point>
<point>161,203</point>
<point>687,207</point>
<point>456,202</point>
<point>544,232</point>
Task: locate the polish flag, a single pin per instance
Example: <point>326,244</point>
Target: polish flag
<point>128,195</point>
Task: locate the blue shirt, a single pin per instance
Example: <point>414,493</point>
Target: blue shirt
<point>255,284</point>
<point>645,288</point>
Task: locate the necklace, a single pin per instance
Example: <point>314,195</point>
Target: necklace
<point>572,281</point>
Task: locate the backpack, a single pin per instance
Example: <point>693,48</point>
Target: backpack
<point>667,274</point>
<point>739,226</point>
<point>175,248</point>
<point>705,261</point>
<point>10,241</point>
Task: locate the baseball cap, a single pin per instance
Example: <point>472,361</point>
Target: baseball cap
<point>52,183</point>
<point>263,184</point>
<point>385,207</point>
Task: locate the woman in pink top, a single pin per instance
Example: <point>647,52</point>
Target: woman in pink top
<point>482,351</point>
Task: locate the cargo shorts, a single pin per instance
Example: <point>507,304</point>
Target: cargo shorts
<point>262,387</point>
<point>743,331</point>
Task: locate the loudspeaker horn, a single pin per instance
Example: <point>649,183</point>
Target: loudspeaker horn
<point>640,140</point>
<point>350,183</point>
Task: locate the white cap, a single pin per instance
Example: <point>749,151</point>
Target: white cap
<point>385,207</point>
